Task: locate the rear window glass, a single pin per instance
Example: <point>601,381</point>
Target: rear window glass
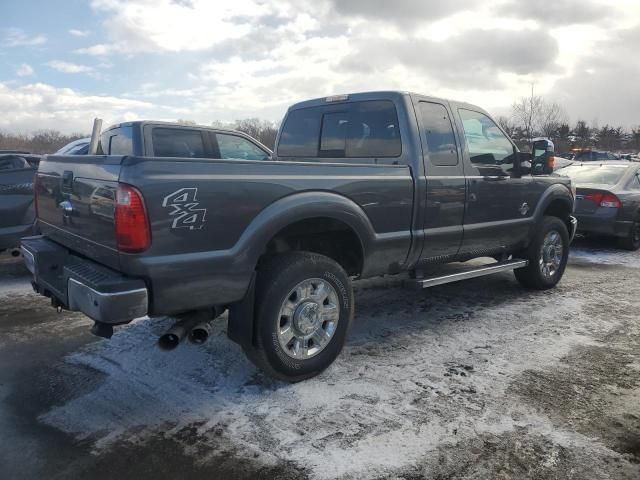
<point>178,142</point>
<point>351,130</point>
<point>117,141</point>
<point>596,174</point>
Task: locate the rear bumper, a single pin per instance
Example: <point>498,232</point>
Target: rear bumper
<point>77,284</point>
<point>603,225</point>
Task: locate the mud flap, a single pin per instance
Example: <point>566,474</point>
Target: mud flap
<point>240,326</point>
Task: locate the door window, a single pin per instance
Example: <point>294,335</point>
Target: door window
<point>438,131</point>
<point>489,149</point>
<point>117,141</point>
<point>178,143</point>
<point>234,146</point>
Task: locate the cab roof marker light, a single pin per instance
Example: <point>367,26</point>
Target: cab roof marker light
<point>337,98</point>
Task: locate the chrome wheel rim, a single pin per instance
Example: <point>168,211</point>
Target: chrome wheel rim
<point>551,253</point>
<point>308,318</point>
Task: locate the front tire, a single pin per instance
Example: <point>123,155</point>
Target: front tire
<point>548,254</point>
<point>303,311</point>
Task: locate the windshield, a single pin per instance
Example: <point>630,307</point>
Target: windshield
<point>599,174</point>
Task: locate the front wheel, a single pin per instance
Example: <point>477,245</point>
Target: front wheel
<point>303,311</point>
<point>548,254</point>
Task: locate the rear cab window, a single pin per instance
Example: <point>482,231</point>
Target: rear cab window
<point>363,129</point>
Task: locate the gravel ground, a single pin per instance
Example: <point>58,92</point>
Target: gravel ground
<point>479,379</point>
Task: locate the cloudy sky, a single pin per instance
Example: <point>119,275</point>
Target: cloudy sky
<point>63,62</point>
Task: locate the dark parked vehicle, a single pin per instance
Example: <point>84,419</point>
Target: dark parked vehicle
<point>179,219</point>
<point>77,147</point>
<point>589,155</point>
<point>608,200</point>
<point>17,215</point>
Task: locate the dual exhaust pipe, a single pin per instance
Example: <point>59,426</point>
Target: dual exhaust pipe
<point>196,326</point>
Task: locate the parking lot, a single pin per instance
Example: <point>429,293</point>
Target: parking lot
<point>478,379</point>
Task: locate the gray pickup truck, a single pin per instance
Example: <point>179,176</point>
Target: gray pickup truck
<point>179,219</point>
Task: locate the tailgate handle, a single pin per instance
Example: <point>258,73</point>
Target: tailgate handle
<point>67,179</point>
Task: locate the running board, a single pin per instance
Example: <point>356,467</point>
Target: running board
<point>476,272</point>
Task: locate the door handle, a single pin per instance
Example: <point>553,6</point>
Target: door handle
<point>497,178</point>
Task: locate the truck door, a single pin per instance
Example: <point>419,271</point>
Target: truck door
<point>497,214</point>
<point>445,180</point>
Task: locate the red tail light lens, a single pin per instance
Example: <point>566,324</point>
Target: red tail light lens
<point>610,200</point>
<point>132,224</point>
<point>603,199</point>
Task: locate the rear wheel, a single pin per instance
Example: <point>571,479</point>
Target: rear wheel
<point>303,310</point>
<point>548,254</point>
<point>632,241</point>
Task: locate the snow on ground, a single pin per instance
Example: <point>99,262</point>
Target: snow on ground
<point>420,369</point>
<point>603,252</point>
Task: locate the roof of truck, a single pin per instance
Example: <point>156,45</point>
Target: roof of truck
<point>169,124</point>
<point>372,95</point>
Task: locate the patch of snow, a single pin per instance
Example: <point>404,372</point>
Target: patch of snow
<point>605,256</point>
<point>417,367</point>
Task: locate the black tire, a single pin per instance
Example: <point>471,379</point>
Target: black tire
<point>275,280</point>
<point>632,241</point>
<point>532,276</point>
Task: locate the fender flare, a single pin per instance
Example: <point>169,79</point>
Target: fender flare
<point>554,192</point>
<point>298,207</point>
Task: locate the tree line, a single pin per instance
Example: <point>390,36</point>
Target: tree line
<point>534,116</point>
<point>531,117</point>
<point>49,141</point>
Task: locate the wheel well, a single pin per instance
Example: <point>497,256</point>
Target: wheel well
<point>326,236</point>
<point>559,208</point>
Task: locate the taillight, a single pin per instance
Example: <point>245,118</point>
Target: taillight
<point>132,225</point>
<point>603,199</point>
<point>610,200</point>
<point>551,163</point>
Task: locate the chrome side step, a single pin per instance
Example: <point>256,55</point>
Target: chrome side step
<point>473,273</point>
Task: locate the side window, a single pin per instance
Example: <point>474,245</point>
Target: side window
<point>178,142</point>
<point>489,148</point>
<point>117,141</point>
<point>634,184</point>
<point>234,146</point>
<point>438,131</point>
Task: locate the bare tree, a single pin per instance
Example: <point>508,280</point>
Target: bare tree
<point>507,125</point>
<point>527,112</point>
<point>550,118</point>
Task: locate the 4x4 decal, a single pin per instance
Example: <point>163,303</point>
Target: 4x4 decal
<point>184,209</point>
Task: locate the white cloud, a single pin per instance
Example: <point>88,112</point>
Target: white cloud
<point>16,37</point>
<point>79,33</point>
<point>41,106</point>
<point>97,50</point>
<point>24,70</point>
<point>67,67</point>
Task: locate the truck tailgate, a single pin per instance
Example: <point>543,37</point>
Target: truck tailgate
<point>76,204</point>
